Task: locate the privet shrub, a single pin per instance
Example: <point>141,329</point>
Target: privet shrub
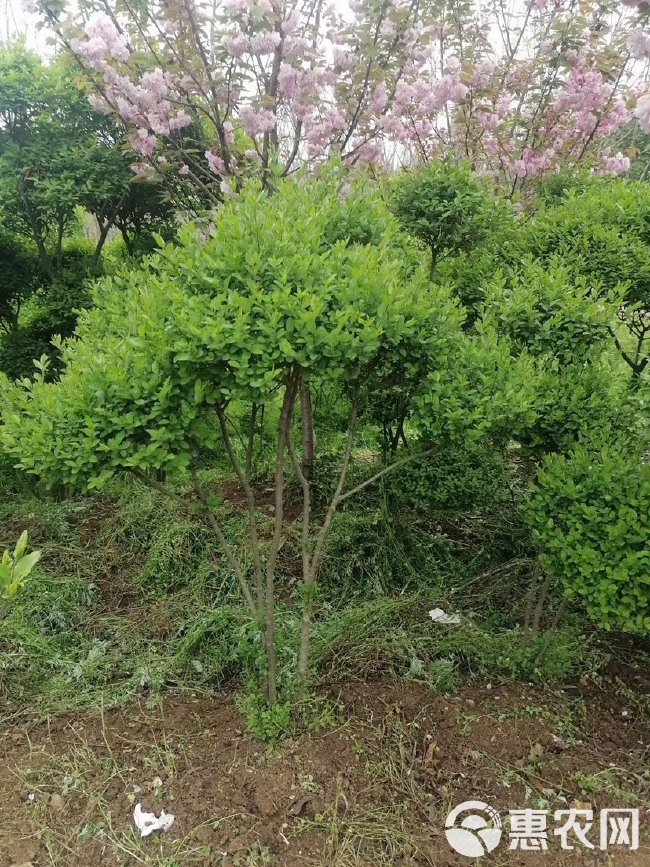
<point>264,306</point>
<point>453,479</point>
<point>602,235</point>
<point>590,517</point>
<point>601,231</point>
<point>549,317</point>
<point>443,205</point>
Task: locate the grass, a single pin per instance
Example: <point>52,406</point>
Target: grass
<point>382,836</point>
<point>132,597</point>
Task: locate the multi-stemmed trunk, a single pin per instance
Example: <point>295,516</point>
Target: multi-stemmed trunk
<point>259,595</point>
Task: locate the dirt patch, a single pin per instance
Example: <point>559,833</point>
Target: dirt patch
<point>264,492</point>
<point>372,790</point>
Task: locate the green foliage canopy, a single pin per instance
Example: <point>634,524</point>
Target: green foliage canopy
<point>442,204</point>
<point>590,517</point>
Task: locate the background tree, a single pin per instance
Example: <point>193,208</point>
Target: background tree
<point>20,276</point>
<point>215,92</point>
<point>61,163</point>
<point>56,154</point>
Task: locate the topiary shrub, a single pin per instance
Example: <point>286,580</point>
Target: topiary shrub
<point>590,518</point>
<point>443,205</point>
<point>602,235</point>
<point>550,317</point>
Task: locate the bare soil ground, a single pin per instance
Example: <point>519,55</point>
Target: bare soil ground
<point>372,789</point>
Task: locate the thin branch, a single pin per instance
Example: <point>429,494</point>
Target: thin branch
<point>230,555</point>
<point>384,472</point>
<point>306,506</point>
<point>283,427</point>
<point>155,485</point>
<point>338,497</point>
<point>250,499</point>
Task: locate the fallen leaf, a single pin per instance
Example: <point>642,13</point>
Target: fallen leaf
<point>536,752</point>
<point>431,754</point>
<point>298,804</point>
<point>56,802</point>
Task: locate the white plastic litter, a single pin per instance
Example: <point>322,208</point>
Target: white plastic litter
<point>439,616</point>
<point>147,823</point>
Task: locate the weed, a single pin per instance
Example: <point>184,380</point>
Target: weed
<point>568,726</point>
<point>465,721</point>
<point>443,676</point>
<point>617,785</point>
<point>263,721</point>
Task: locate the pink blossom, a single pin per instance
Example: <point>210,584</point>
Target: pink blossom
<point>180,121</point>
<point>256,122</point>
<point>369,152</point>
<point>490,144</point>
<point>453,64</point>
<point>296,46</point>
<point>487,120</point>
<point>642,112</point>
<point>184,170</point>
<point>153,88</point>
<point>502,106</point>
<point>215,163</point>
<point>91,50</point>
<point>128,112</point>
<point>344,60</point>
<point>291,23</point>
<point>616,165</point>
<point>226,189</point>
<point>379,99</point>
<point>482,73</point>
<point>144,143</point>
<point>302,111</point>
<point>287,82</point>
<point>639,43</point>
<point>404,94</point>
<point>235,45</point>
<point>103,37</point>
<point>265,43</point>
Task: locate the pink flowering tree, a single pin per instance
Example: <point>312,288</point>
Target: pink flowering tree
<point>639,45</point>
<point>211,93</point>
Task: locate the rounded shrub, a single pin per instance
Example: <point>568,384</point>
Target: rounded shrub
<point>590,518</point>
